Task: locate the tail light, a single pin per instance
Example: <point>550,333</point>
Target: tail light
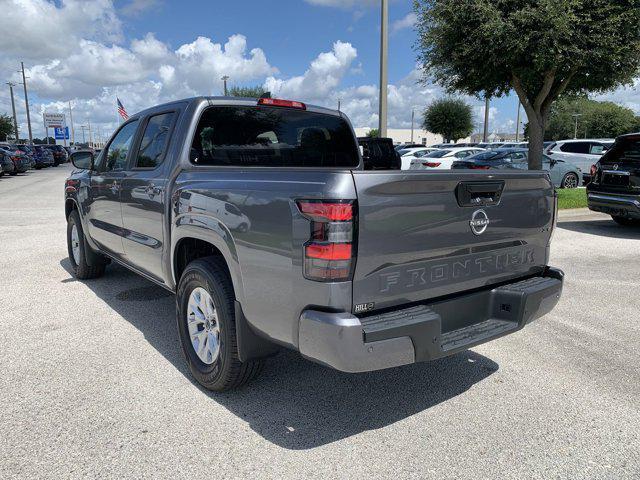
<point>276,102</point>
<point>328,255</point>
<point>594,172</point>
<point>431,164</point>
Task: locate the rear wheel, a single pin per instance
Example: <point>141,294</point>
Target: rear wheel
<point>207,329</point>
<point>77,252</point>
<point>570,180</point>
<point>626,221</point>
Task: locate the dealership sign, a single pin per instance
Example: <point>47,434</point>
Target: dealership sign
<point>53,119</point>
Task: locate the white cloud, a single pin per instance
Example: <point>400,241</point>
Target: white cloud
<point>136,7</point>
<point>408,21</point>
<point>628,96</point>
<point>321,78</point>
<point>46,30</point>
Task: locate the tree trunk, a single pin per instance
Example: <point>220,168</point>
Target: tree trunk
<point>536,142</point>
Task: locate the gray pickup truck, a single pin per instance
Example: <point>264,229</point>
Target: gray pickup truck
<point>258,214</point>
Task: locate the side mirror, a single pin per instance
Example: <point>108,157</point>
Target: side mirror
<point>82,160</point>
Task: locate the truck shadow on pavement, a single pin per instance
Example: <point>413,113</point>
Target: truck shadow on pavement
<point>602,228</point>
<point>294,403</point>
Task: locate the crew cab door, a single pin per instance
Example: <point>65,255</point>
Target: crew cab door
<point>143,195</point>
<point>104,215</point>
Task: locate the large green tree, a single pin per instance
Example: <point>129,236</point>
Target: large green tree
<point>6,126</point>
<point>450,117</point>
<point>539,48</point>
<point>594,119</point>
<point>250,92</point>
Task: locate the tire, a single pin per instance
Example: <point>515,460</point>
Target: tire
<point>13,174</point>
<point>81,269</point>
<point>626,221</point>
<point>222,369</point>
<point>570,180</point>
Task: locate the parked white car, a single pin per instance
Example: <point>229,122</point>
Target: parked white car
<point>583,153</point>
<point>409,154</point>
<point>442,159</point>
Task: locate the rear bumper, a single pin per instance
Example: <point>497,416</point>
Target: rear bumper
<point>614,204</point>
<point>426,332</point>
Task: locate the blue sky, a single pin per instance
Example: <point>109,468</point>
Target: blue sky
<point>145,52</point>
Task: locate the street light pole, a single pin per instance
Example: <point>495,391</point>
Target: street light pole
<point>13,109</point>
<point>384,54</point>
<point>485,135</point>
<point>26,101</point>
<point>73,135</point>
<point>413,114</point>
<point>518,123</point>
<point>224,79</point>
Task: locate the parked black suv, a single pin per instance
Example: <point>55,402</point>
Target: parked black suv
<point>59,153</point>
<point>615,184</point>
<point>379,154</point>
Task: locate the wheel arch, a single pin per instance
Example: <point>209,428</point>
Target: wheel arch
<point>189,244</point>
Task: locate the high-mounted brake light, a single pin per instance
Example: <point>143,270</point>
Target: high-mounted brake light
<point>276,102</point>
<point>329,252</point>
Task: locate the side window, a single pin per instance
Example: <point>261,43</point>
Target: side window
<point>462,154</point>
<point>154,141</point>
<point>597,149</point>
<point>576,147</point>
<point>115,158</point>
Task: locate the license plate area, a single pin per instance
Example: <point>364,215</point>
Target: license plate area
<point>615,179</point>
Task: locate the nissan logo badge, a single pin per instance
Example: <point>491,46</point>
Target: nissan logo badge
<point>479,222</point>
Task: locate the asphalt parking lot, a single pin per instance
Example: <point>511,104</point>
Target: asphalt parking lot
<point>93,383</point>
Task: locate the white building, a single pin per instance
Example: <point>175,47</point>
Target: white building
<point>403,135</point>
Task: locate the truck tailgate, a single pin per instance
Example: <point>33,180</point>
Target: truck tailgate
<point>416,238</point>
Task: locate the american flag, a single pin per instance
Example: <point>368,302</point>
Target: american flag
<point>123,113</point>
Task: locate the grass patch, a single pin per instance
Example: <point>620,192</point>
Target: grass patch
<point>572,198</point>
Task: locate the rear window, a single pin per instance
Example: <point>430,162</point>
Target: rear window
<point>485,155</point>
<point>624,150</point>
<point>437,154</point>
<point>273,137</point>
<point>575,147</point>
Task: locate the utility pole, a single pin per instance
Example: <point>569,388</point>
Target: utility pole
<point>90,140</point>
<point>83,139</point>
<point>224,79</point>
<point>26,101</point>
<point>73,135</point>
<point>485,135</point>
<point>576,115</point>
<point>518,123</point>
<point>384,53</point>
<point>413,114</point>
<point>13,109</point>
